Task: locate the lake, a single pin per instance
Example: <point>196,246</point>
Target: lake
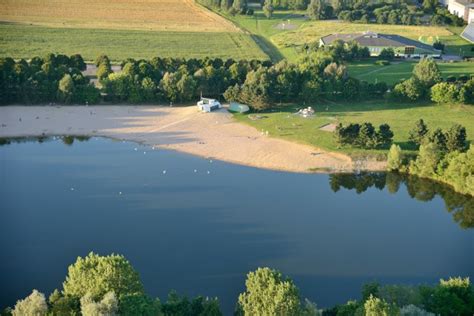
<point>198,225</point>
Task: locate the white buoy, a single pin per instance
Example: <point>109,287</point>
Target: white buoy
<point>120,193</point>
<point>208,172</point>
<point>195,170</point>
<point>136,149</point>
<point>164,171</point>
<point>210,161</point>
<point>144,152</point>
<point>72,189</point>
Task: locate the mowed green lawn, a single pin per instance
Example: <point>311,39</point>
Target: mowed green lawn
<point>26,41</point>
<point>399,70</point>
<point>401,117</point>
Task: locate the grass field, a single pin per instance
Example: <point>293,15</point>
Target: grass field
<point>154,15</point>
<point>400,116</point>
<point>120,29</point>
<point>23,41</point>
<point>393,73</point>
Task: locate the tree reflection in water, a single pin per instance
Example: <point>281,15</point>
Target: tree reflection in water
<point>461,206</point>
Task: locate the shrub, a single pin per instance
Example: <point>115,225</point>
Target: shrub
<point>444,92</point>
<point>438,45</point>
<point>34,305</point>
<point>409,89</point>
<point>374,306</point>
<point>412,310</point>
<point>108,306</point>
<point>466,94</point>
<point>268,293</point>
<point>387,54</point>
<point>394,159</point>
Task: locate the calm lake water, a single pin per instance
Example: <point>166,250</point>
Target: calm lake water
<point>201,226</point>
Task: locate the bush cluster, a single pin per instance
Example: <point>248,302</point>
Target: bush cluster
<point>426,83</point>
<point>443,156</point>
<point>364,135</point>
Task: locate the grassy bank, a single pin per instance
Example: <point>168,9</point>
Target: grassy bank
<point>396,71</point>
<point>26,41</point>
<point>282,123</point>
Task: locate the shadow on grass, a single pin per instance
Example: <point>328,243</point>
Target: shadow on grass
<point>268,48</point>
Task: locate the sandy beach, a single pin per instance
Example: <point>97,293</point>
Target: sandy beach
<point>184,129</point>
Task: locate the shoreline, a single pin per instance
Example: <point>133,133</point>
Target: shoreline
<point>184,129</point>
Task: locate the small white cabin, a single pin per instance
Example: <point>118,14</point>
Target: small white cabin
<point>207,105</point>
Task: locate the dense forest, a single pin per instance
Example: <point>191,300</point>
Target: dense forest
<point>109,285</point>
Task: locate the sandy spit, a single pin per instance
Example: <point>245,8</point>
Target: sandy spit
<point>184,129</point>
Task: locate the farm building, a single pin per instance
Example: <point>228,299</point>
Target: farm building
<point>376,42</point>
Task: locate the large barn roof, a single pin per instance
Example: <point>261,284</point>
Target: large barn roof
<point>371,39</point>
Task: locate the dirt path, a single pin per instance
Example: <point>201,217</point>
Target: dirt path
<point>184,129</point>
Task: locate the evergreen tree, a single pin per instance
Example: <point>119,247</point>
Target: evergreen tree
<point>456,138</point>
<point>418,133</point>
<point>268,9</point>
<point>315,9</point>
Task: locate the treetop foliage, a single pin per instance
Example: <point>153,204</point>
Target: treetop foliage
<point>97,275</point>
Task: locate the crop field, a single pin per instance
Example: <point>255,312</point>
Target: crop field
<point>24,41</point>
<point>396,71</point>
<point>120,29</point>
<point>401,116</point>
<point>151,15</point>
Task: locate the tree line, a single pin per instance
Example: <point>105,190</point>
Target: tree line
<point>53,78</point>
<point>109,285</point>
<point>399,12</point>
<point>363,135</point>
<point>230,6</point>
<point>319,75</point>
<point>362,11</point>
<point>258,83</point>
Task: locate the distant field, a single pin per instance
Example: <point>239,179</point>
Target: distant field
<point>287,31</point>
<point>24,41</point>
<point>401,116</point>
<point>392,74</point>
<point>155,15</point>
